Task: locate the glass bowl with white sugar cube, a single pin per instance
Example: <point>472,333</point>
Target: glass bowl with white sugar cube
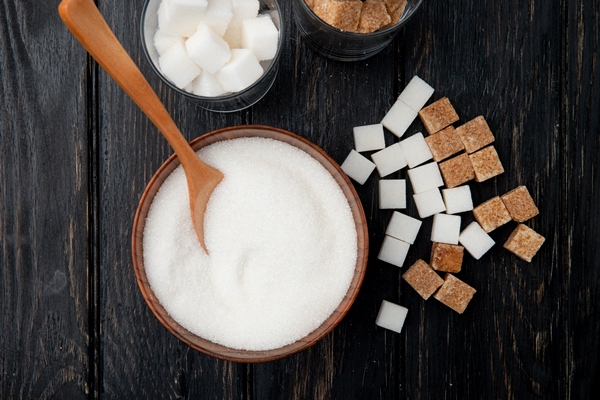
<point>222,54</point>
<point>351,30</point>
<point>287,245</point>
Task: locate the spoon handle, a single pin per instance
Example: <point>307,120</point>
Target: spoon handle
<point>84,20</point>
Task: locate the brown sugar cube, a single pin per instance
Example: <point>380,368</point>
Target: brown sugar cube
<point>444,144</point>
<point>524,242</point>
<point>310,3</point>
<point>457,170</point>
<point>475,134</point>
<point>486,164</point>
<point>491,214</point>
<point>341,14</point>
<point>373,16</point>
<point>455,293</point>
<point>423,279</point>
<point>446,257</point>
<point>395,9</point>
<point>438,115</point>
<point>520,205</point>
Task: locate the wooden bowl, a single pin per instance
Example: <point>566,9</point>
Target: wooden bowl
<point>217,350</point>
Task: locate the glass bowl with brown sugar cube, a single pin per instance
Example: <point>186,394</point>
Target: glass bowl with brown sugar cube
<point>351,30</point>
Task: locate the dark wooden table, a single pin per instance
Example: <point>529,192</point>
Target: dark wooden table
<point>76,154</point>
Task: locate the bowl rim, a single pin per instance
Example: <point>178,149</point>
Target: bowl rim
<point>274,62</point>
<point>217,350</point>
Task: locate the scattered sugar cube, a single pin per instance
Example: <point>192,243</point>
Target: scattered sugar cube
<point>393,251</point>
<point>391,316</point>
<point>403,227</point>
<point>458,199</point>
<point>177,66</point>
<point>423,279</point>
<point>486,164</point>
<point>373,16</point>
<point>415,150</point>
<point>429,203</point>
<point>163,42</point>
<point>475,134</point>
<point>261,36</point>
<point>445,228</point>
<point>399,118</point>
<point>389,160</point>
<point>342,14</point>
<point>524,242</point>
<point>208,50</point>
<point>241,71</point>
<point>457,170</point>
<point>181,17</point>
<point>207,85</point>
<point>218,15</point>
<point>392,193</point>
<point>519,204</point>
<point>425,177</point>
<point>455,293</point>
<point>447,257</point>
<point>491,214</point>
<point>368,137</point>
<point>357,167</point>
<point>438,115</point>
<point>444,144</point>
<point>416,93</point>
<point>476,240</point>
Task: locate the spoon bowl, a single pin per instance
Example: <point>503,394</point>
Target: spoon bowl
<point>84,20</point>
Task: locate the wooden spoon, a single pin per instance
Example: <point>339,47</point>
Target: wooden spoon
<point>84,20</point>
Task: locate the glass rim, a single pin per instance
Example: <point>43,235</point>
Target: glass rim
<point>215,99</point>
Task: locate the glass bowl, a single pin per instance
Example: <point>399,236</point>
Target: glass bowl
<point>217,350</point>
<point>229,102</point>
<point>339,45</point>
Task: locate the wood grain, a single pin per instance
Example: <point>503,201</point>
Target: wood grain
<point>76,155</point>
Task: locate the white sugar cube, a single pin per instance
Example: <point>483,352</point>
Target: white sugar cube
<point>241,71</point>
<point>389,160</point>
<point>180,17</point>
<point>207,85</point>
<point>233,34</point>
<point>244,9</point>
<point>445,228</point>
<point>218,15</point>
<point>416,150</point>
<point>425,177</point>
<point>391,316</point>
<point>163,42</point>
<point>392,193</point>
<point>475,240</point>
<point>261,36</point>
<point>416,93</point>
<point>207,49</point>
<point>399,118</point>
<point>368,137</point>
<point>177,66</point>
<point>393,251</point>
<point>458,199</point>
<point>429,202</point>
<point>357,167</point>
<point>403,227</point>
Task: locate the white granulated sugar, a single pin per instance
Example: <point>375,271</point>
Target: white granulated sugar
<point>282,247</point>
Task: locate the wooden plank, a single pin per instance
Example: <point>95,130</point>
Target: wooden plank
<point>139,357</point>
<point>322,100</point>
<point>580,169</point>
<point>43,206</point>
<point>500,60</point>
